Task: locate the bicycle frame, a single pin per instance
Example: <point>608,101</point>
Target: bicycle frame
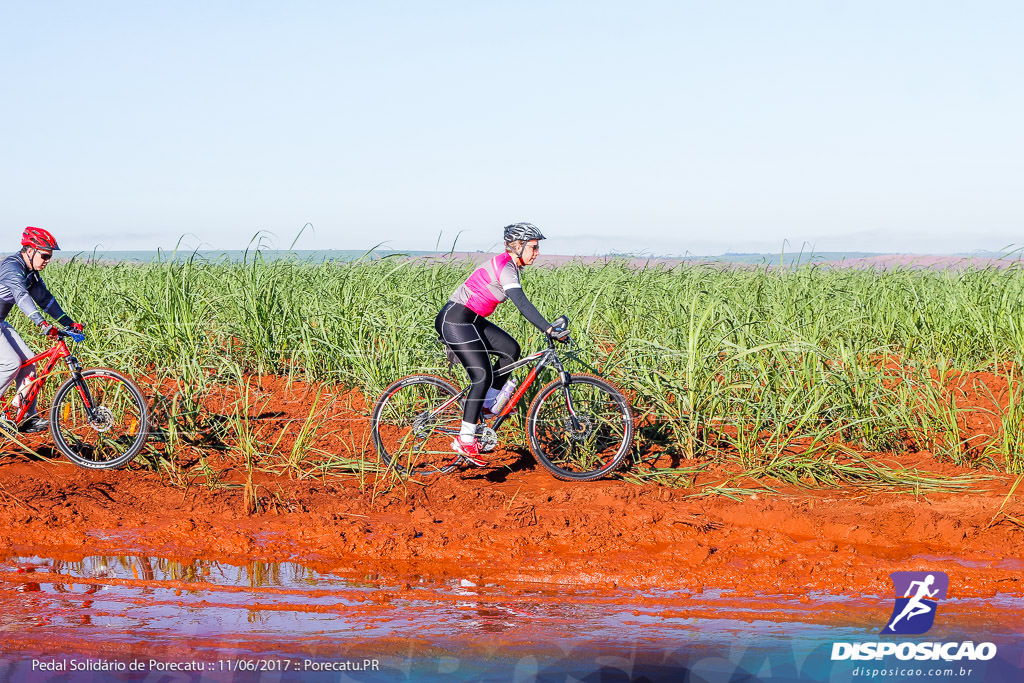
<point>541,359</point>
<point>52,356</point>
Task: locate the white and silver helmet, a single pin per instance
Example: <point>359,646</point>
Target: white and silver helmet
<point>523,232</point>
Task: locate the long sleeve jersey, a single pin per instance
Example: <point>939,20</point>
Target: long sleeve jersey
<point>23,286</point>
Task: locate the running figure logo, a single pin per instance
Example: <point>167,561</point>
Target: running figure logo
<point>914,612</point>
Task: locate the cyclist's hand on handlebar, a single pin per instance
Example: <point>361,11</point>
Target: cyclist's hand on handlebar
<point>48,330</point>
<point>559,334</point>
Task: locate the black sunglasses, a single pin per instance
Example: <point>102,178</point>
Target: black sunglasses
<point>45,257</point>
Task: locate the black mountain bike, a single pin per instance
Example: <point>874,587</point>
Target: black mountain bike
<point>580,426</point>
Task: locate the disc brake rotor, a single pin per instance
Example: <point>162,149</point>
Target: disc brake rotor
<point>582,430</point>
<point>8,425</point>
<point>104,419</point>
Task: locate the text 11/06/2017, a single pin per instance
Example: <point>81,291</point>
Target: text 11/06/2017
<point>263,664</point>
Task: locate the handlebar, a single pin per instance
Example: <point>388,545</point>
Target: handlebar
<point>75,336</point>
<point>560,324</point>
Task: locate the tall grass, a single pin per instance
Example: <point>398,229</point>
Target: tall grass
<point>756,364</point>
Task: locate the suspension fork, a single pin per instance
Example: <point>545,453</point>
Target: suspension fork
<point>565,377</point>
<point>76,375</point>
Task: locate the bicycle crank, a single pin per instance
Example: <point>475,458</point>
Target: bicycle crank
<point>486,438</point>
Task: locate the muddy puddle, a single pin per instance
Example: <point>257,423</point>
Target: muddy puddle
<point>287,621</point>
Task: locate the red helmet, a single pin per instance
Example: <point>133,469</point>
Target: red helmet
<point>38,239</point>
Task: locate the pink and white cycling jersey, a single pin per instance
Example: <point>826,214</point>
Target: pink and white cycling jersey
<point>487,286</point>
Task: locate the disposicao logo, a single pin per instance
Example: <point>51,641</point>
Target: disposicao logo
<point>914,613</point>
<point>917,599</point>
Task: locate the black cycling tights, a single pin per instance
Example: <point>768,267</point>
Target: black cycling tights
<point>472,337</point>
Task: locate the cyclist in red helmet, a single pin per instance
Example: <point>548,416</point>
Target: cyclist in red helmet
<point>21,284</point>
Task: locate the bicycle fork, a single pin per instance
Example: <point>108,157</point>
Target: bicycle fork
<point>76,375</point>
<point>576,425</point>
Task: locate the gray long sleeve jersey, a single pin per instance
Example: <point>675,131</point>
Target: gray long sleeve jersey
<point>23,286</point>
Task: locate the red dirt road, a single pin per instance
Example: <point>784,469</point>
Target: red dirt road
<point>499,524</point>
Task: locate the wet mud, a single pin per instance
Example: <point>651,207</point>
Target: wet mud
<point>109,562</point>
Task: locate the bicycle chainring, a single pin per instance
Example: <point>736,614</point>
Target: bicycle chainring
<point>487,438</point>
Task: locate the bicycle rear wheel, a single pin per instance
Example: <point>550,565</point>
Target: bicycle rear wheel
<point>100,421</point>
<point>587,442</point>
<point>414,423</point>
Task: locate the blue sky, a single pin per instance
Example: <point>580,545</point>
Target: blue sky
<point>653,127</point>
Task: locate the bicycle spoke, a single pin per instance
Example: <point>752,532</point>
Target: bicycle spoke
<point>109,432</point>
<point>414,423</point>
<point>588,441</point>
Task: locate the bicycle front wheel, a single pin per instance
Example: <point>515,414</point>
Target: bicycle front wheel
<point>99,421</point>
<point>582,430</point>
<point>414,423</point>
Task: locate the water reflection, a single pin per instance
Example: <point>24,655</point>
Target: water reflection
<point>142,594</point>
<point>254,575</point>
<point>139,599</point>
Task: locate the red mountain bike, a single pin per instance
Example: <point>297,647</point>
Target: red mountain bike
<point>580,426</point>
<point>98,418</point>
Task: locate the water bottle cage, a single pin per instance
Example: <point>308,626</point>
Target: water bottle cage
<point>24,389</point>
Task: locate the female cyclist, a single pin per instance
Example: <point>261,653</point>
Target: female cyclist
<point>21,284</point>
<point>463,325</point>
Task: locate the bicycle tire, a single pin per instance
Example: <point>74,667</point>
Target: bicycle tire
<point>120,426</point>
<point>407,437</point>
<point>597,444</point>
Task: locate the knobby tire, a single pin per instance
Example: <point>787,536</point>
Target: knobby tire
<point>592,447</point>
<point>410,439</point>
<point>117,428</point>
